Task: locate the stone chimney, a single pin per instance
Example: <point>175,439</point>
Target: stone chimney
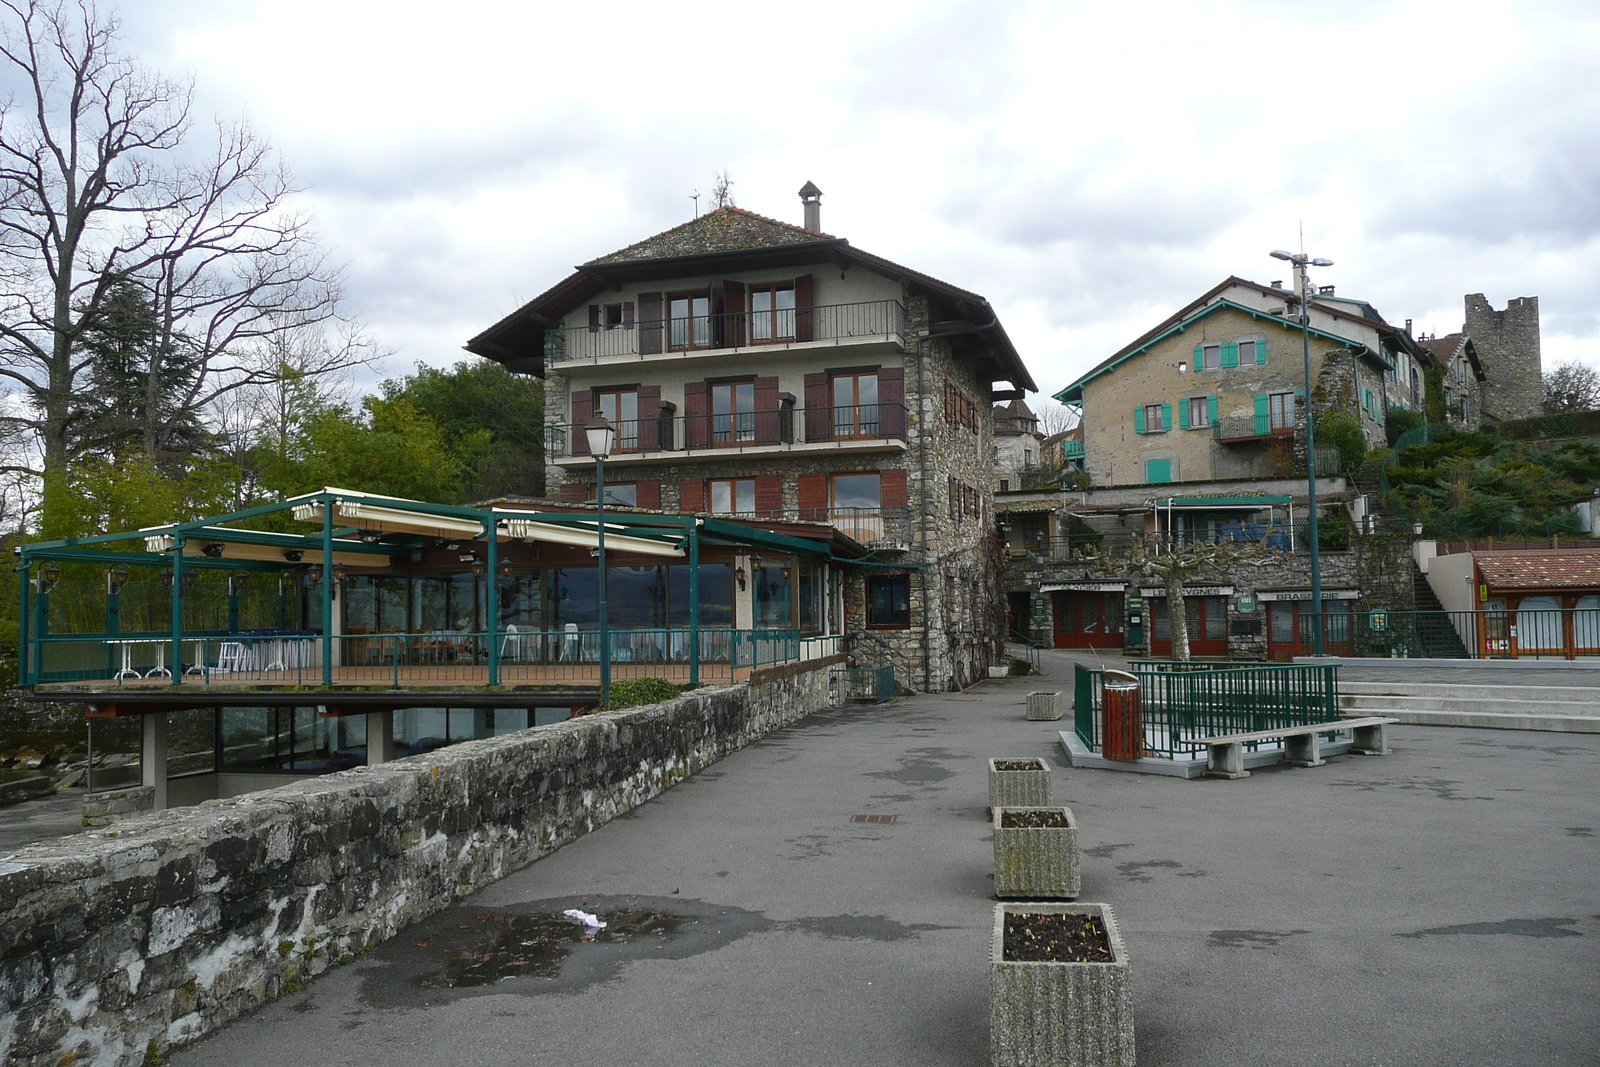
<point>811,197</point>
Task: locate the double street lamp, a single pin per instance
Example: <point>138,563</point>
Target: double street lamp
<point>601,437</point>
<point>1302,286</point>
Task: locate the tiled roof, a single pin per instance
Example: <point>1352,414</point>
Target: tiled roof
<point>1443,347</point>
<point>727,229</point>
<point>1568,569</point>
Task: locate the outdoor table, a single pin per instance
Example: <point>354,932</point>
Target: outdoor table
<point>161,644</point>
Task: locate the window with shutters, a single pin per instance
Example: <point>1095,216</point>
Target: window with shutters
<point>1250,353</point>
<point>1199,408</point>
<point>619,407</point>
<point>733,412</point>
<point>611,316</point>
<point>1153,422</point>
<point>1280,411</point>
<point>1210,357</point>
<point>855,405</point>
<point>959,409</point>
<point>733,496</point>
<point>689,320</point>
<point>771,313</point>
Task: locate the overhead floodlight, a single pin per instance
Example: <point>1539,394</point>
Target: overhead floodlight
<point>1322,262</point>
<point>1281,254</point>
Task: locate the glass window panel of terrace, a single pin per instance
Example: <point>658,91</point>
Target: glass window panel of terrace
<point>733,496</point>
<point>772,313</point>
<point>574,597</point>
<point>733,412</point>
<point>429,599</point>
<point>636,598</point>
<point>773,594</point>
<point>855,405</point>
<point>520,602</point>
<point>691,321</point>
<point>716,595</point>
<point>621,409</point>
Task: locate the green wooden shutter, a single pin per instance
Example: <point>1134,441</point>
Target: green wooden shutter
<point>1230,355</point>
<point>1166,416</point>
<point>1157,470</point>
<point>1138,419</point>
<point>1199,358</point>
<point>1263,422</point>
<point>1183,413</point>
<point>1261,351</point>
<point>1211,410</point>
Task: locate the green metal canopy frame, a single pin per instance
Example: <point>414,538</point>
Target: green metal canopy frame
<point>681,531</point>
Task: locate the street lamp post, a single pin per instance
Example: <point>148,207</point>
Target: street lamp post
<point>1302,285</point>
<point>601,435</point>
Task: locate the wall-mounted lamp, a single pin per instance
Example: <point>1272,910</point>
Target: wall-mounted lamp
<point>739,576</point>
<point>116,578</point>
<point>786,574</point>
<point>49,575</point>
<point>1416,528</point>
<point>213,550</point>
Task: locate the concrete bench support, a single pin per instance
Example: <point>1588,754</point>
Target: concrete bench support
<point>1370,740</point>
<point>1303,750</point>
<point>1226,761</point>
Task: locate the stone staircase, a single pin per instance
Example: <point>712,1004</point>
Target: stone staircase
<point>1439,638</point>
<point>1563,709</point>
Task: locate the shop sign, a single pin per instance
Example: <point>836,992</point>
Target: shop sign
<point>1084,587</point>
<point>1305,594</point>
<point>1194,590</point>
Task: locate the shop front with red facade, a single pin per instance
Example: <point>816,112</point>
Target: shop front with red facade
<point>1205,609</point>
<point>1289,623</point>
<point>1088,614</point>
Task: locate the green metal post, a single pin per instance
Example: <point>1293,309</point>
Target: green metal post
<point>177,609</point>
<point>694,603</point>
<point>605,628</point>
<point>113,618</point>
<point>492,531</point>
<point>24,675</point>
<point>327,589</point>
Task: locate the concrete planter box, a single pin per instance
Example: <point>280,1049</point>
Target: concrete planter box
<point>999,672</point>
<point>1024,787</point>
<point>1037,863</point>
<point>1059,1014</point>
<point>1044,707</point>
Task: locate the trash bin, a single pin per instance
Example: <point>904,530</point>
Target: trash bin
<point>1121,724</point>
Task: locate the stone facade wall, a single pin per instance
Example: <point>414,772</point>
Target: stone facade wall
<point>103,809</point>
<point>1507,343</point>
<point>115,943</point>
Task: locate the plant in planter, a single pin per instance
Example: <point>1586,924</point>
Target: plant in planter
<point>1018,781</point>
<point>1044,707</point>
<point>1036,854</point>
<point>1058,987</point>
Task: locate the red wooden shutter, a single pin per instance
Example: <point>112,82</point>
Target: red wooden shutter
<point>582,409</point>
<point>692,495</point>
<point>767,411</point>
<point>649,418</point>
<point>892,401</point>
<point>819,418</point>
<point>769,495</point>
<point>731,323</point>
<point>804,329</point>
<point>696,415</point>
<point>594,318</point>
<point>576,492</point>
<point>648,494</point>
<point>892,488</point>
<point>814,497</point>
<point>650,323</point>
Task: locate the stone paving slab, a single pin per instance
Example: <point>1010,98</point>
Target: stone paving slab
<point>1438,905</point>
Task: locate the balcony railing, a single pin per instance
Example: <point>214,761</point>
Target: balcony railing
<point>838,323</point>
<point>1248,428</point>
<point>744,429</point>
<point>1332,536</point>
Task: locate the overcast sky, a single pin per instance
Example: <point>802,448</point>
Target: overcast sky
<point>1087,167</point>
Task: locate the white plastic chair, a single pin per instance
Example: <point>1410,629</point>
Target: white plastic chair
<point>231,656</point>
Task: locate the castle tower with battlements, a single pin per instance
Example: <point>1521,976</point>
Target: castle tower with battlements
<point>1507,344</point>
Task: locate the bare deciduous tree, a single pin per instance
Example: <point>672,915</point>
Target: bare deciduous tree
<point>97,191</point>
<point>722,191</point>
<point>1174,561</point>
<point>1054,417</point>
<point>1571,386</point>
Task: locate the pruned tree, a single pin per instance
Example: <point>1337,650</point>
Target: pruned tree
<point>101,195</point>
<point>1571,386</point>
<point>1174,561</point>
<point>722,191</point>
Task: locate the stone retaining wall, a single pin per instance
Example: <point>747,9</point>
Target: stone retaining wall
<point>117,942</point>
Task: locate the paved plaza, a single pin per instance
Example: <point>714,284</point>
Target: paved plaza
<point>1440,905</point>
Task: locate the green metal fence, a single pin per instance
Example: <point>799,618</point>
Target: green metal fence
<point>1184,702</point>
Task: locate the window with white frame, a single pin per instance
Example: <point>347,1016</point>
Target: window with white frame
<point>1199,412</point>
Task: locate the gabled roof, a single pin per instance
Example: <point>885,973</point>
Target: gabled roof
<point>726,229</point>
<point>1446,348</point>
<point>1177,324</point>
<point>727,240</point>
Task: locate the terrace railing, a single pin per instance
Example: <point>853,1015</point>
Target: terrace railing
<point>741,430</point>
<point>1534,633</point>
<point>1184,703</point>
<point>655,338</point>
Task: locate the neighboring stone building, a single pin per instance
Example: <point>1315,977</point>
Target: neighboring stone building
<point>760,369</point>
<point>1018,446</point>
<point>1507,343</point>
<point>1217,390</point>
<point>1461,378</point>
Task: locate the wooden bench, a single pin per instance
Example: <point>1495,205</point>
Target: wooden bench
<point>1301,745</point>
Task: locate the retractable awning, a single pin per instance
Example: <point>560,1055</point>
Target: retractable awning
<point>587,536</point>
<point>217,545</point>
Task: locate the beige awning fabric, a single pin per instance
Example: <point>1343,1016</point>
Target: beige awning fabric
<point>391,520</point>
<point>162,543</point>
<point>586,536</point>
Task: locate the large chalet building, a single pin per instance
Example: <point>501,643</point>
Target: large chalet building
<point>761,370</point>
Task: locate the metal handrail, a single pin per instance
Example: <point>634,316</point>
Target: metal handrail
<point>736,331</point>
<point>733,431</point>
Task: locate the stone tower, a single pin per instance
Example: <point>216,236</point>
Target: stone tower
<point>1507,343</point>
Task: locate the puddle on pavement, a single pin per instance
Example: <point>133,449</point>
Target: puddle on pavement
<point>533,948</point>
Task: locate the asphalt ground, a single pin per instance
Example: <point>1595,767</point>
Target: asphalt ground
<point>1440,905</point>
<point>33,821</point>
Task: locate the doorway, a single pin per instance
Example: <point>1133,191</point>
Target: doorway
<point>1088,620</point>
